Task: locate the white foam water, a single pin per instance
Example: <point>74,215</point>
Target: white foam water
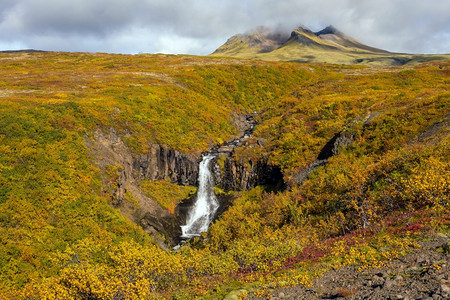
<point>205,204</point>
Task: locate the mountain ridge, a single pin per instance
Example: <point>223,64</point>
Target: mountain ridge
<point>261,39</point>
<point>328,45</point>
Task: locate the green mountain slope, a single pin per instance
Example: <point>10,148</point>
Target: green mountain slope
<point>328,45</point>
<point>381,135</point>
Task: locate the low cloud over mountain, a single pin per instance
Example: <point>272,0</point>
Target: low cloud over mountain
<point>198,27</point>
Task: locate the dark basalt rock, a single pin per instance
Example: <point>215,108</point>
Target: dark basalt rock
<point>241,176</point>
<point>165,224</point>
<point>333,146</point>
<point>340,141</point>
<point>301,176</point>
<point>238,175</point>
<point>161,163</point>
<point>126,170</point>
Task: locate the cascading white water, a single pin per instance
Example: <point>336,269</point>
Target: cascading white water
<point>205,205</point>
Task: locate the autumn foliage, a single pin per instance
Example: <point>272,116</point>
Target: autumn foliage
<point>61,239</point>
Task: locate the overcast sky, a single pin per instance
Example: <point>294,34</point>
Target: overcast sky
<point>200,26</point>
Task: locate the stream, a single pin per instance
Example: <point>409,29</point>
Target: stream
<point>206,204</point>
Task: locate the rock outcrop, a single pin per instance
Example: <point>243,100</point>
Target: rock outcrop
<point>161,163</point>
<point>331,148</point>
<point>237,175</point>
<point>122,171</point>
<point>233,174</point>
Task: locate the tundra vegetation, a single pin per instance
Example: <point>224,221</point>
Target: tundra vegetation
<point>380,193</point>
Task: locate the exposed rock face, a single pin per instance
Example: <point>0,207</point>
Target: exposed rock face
<point>240,176</point>
<point>161,163</point>
<point>331,148</point>
<point>328,30</point>
<point>125,172</point>
<point>232,174</point>
<point>301,176</point>
<point>243,123</point>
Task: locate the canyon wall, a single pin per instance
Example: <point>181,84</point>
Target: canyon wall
<point>122,170</point>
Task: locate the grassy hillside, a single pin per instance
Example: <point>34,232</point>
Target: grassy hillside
<point>51,196</point>
<point>60,238</point>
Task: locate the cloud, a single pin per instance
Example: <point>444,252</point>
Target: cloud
<point>200,26</point>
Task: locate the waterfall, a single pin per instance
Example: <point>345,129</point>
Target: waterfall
<point>205,204</point>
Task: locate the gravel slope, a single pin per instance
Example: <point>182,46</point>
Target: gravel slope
<point>423,274</point>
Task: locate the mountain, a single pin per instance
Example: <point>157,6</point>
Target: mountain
<point>328,45</point>
<point>260,40</point>
<point>331,39</point>
<point>22,51</point>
